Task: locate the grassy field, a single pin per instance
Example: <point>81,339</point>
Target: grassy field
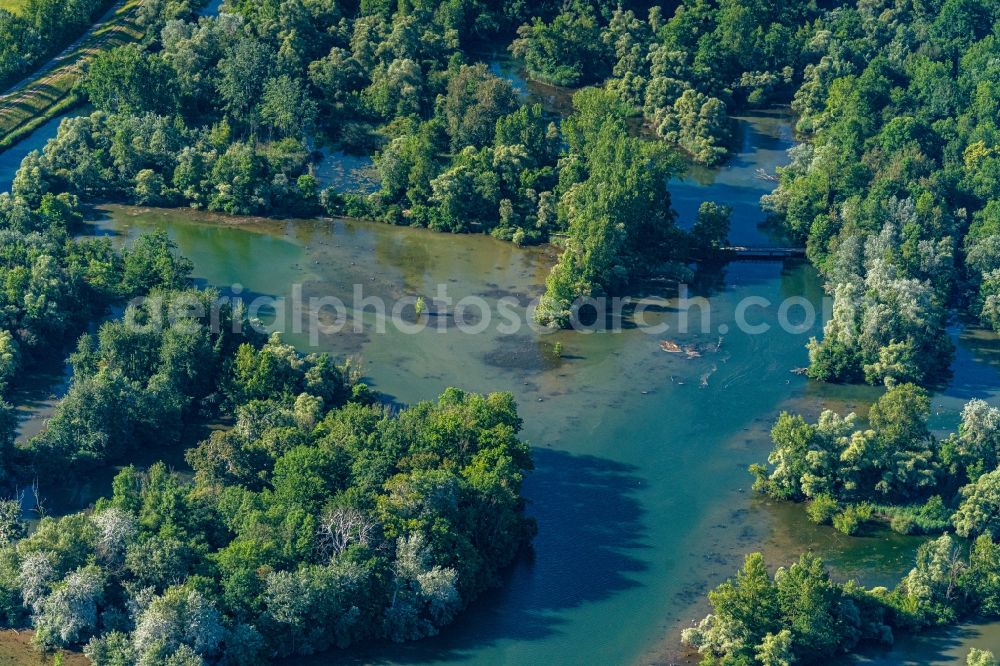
<point>24,109</point>
<point>13,6</point>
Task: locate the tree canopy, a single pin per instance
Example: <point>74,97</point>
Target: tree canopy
<point>317,520</point>
<point>895,470</point>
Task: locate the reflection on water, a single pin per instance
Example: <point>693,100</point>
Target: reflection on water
<point>556,101</point>
<point>36,396</point>
<point>946,646</point>
<point>11,158</point>
<point>974,375</point>
<point>764,139</point>
<point>346,172</point>
<point>877,557</point>
<point>211,8</point>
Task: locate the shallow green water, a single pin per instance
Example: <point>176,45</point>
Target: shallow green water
<point>641,491</point>
<point>934,648</point>
<point>764,140</point>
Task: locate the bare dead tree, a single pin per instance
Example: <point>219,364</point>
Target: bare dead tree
<point>39,502</point>
<point>342,527</point>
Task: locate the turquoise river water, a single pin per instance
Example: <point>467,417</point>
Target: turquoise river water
<point>641,492</point>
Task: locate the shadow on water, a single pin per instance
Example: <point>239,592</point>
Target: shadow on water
<point>945,646</point>
<point>346,172</point>
<point>211,8</point>
<point>747,174</point>
<point>976,366</point>
<point>614,538</point>
<point>522,353</point>
<point>37,394</point>
<point>767,131</point>
<point>591,556</point>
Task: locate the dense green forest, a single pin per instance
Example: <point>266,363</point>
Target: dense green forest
<point>318,519</point>
<point>315,519</point>
<point>684,74</point>
<point>800,616</point>
<point>53,286</point>
<point>895,196</point>
<point>39,29</point>
<point>224,113</point>
<point>320,509</point>
<point>36,30</point>
<point>894,191</point>
<point>895,470</point>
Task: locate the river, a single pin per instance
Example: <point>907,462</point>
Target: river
<point>10,159</point>
<point>641,492</point>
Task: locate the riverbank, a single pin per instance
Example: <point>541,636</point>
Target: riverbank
<point>624,434</point>
<point>618,495</point>
<point>16,650</point>
<point>27,109</point>
<point>878,557</point>
<point>50,94</point>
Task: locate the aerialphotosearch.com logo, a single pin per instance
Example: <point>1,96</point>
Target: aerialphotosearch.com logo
<point>317,317</point>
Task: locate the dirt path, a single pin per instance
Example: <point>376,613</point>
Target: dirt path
<point>50,88</point>
<point>67,53</point>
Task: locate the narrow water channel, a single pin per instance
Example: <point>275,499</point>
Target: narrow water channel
<point>11,158</point>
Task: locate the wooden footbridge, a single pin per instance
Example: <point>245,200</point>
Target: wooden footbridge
<point>752,253</point>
